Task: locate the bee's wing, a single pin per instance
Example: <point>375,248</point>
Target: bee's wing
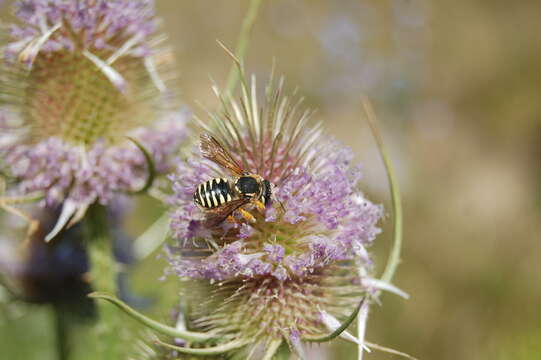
<point>212,150</point>
<point>195,251</point>
<point>217,215</point>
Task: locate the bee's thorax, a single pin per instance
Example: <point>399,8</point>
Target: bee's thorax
<point>248,186</point>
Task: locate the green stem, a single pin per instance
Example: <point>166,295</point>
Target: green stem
<point>61,333</point>
<point>103,267</point>
<point>108,332</point>
<point>242,45</point>
<point>394,256</point>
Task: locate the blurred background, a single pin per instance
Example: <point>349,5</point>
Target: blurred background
<point>456,86</point>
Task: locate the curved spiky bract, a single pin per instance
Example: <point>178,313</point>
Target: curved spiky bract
<point>78,78</point>
<point>152,324</point>
<point>271,280</point>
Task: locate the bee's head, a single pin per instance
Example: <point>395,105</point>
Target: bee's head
<point>249,186</point>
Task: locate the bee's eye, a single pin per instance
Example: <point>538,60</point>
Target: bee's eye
<point>247,185</point>
<point>267,192</point>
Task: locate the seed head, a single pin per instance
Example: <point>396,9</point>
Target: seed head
<point>304,257</point>
<point>78,78</point>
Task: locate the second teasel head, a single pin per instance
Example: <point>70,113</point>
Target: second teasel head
<point>77,79</point>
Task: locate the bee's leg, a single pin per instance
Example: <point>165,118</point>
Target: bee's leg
<point>245,214</point>
<point>260,206</point>
<point>231,219</point>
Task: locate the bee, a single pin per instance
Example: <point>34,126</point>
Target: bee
<point>220,197</point>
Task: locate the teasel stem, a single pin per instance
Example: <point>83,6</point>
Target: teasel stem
<point>103,270</point>
<point>103,266</point>
<point>242,45</point>
<point>62,333</point>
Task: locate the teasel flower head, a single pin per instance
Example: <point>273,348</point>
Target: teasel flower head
<point>87,105</point>
<point>302,267</point>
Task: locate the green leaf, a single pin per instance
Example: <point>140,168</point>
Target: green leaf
<point>152,324</point>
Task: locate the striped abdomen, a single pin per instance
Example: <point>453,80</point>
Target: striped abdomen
<point>213,193</point>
